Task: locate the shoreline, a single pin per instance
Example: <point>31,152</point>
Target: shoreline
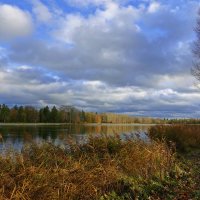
<point>82,124</point>
<point>86,124</point>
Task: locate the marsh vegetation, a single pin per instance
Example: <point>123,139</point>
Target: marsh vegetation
<point>106,167</point>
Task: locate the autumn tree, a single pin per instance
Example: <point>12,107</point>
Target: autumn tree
<point>196,50</point>
<point>31,114</point>
<point>14,114</point>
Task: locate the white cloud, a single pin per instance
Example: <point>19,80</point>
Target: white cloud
<point>14,22</point>
<point>41,12</point>
<point>24,67</point>
<point>70,26</point>
<point>79,3</point>
<point>74,27</point>
<point>153,7</point>
<point>177,81</point>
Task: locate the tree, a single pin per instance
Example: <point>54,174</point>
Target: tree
<point>21,114</point>
<point>4,113</point>
<point>14,114</point>
<point>46,113</point>
<point>54,115</point>
<point>82,116</point>
<point>70,113</point>
<point>196,50</point>
<point>31,114</point>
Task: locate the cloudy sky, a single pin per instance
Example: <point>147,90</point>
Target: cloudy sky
<point>124,56</point>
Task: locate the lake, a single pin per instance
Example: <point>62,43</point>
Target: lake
<point>16,136</point>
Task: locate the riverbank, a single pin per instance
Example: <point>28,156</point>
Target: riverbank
<point>84,124</point>
<point>33,124</point>
<point>89,124</point>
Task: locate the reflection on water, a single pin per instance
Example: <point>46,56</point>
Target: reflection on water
<point>17,136</point>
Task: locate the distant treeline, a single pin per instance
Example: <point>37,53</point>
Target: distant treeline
<point>182,121</point>
<point>64,114</point>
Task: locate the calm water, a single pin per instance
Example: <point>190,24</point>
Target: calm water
<point>17,136</point>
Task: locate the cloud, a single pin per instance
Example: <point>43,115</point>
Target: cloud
<point>153,7</point>
<point>41,12</point>
<point>14,22</point>
<point>119,45</point>
<point>84,3</point>
<point>31,86</point>
<point>125,57</point>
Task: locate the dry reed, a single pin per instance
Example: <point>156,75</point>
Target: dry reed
<point>87,171</point>
<point>185,137</point>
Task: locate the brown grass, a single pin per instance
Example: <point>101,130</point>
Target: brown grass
<point>87,171</point>
<point>186,137</point>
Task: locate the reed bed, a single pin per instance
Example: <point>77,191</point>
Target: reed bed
<point>103,167</point>
<point>185,137</point>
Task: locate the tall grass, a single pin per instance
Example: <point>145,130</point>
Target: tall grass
<point>87,171</point>
<point>185,137</point>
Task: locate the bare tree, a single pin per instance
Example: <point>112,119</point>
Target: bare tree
<point>196,50</point>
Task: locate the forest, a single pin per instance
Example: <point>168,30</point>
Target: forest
<point>65,114</point>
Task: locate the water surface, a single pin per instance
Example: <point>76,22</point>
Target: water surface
<point>17,136</point>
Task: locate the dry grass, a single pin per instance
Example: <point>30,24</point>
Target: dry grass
<point>186,137</point>
<point>87,171</point>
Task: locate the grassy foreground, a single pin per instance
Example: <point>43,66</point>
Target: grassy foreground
<point>105,168</point>
<point>186,139</point>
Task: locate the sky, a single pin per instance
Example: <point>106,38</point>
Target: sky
<point>124,56</point>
